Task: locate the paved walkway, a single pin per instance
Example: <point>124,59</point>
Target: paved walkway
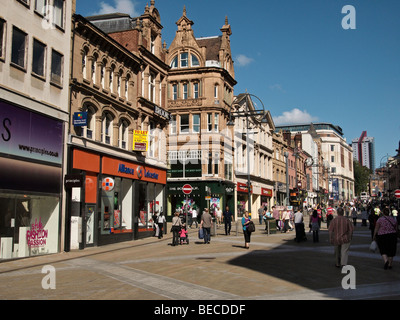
<point>275,267</point>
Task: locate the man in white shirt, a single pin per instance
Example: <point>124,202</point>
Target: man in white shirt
<point>299,226</point>
<point>194,217</point>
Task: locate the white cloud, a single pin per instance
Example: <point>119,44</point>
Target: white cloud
<point>243,60</point>
<point>120,6</point>
<point>295,116</point>
<point>277,87</point>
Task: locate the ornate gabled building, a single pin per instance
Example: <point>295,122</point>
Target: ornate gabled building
<point>199,97</point>
<point>119,86</point>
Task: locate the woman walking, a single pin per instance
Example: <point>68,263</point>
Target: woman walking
<point>176,227</point>
<point>385,235</point>
<point>247,234</point>
<point>314,221</point>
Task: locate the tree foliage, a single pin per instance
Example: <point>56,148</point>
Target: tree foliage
<point>361,177</point>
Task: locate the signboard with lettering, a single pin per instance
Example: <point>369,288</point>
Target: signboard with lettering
<point>80,119</point>
<point>140,140</point>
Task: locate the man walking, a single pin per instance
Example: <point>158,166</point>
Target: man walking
<point>340,235</point>
<point>206,224</point>
<point>227,220</point>
<point>299,226</point>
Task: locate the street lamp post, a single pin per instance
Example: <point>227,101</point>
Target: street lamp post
<point>286,155</point>
<point>250,111</point>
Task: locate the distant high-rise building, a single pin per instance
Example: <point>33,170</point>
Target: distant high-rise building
<point>364,150</point>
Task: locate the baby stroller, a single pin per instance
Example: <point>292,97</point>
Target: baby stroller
<point>183,236</point>
<point>300,232</point>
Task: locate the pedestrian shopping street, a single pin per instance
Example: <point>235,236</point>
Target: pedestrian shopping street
<point>275,267</point>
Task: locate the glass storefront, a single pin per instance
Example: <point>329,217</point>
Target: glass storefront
<point>129,194</point>
<point>31,182</point>
<point>29,225</point>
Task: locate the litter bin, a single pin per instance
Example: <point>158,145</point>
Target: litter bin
<point>270,225</point>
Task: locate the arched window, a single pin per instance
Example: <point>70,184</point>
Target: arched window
<point>84,62</point>
<point>89,129</point>
<point>127,79</point>
<point>103,73</point>
<point>123,134</point>
<point>174,62</point>
<point>195,62</point>
<point>111,79</point>
<point>93,68</point>
<point>106,128</point>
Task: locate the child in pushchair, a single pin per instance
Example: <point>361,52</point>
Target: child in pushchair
<point>183,235</point>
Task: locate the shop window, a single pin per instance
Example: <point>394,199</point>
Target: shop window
<point>150,203</point>
<point>28,225</point>
<point>116,205</point>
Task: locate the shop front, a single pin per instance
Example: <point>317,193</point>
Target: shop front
<point>31,158</point>
<point>120,198</point>
<point>203,194</point>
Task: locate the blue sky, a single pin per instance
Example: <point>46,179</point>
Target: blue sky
<point>297,58</point>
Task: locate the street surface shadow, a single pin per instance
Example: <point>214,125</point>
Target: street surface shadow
<point>307,264</point>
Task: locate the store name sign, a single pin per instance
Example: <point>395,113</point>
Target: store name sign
<point>140,172</point>
<point>162,113</point>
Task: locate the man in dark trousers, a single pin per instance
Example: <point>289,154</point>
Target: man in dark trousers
<point>227,220</point>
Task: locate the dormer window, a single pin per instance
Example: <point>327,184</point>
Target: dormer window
<point>195,61</point>
<point>185,60</point>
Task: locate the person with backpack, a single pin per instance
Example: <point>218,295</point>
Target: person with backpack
<point>246,229</point>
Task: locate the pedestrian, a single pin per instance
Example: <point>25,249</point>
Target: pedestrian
<point>364,215</point>
<point>160,222</point>
<point>206,224</point>
<point>385,235</point>
<point>218,213</point>
<point>340,235</point>
<point>194,217</point>
<point>227,216</point>
<point>329,216</point>
<point>314,220</point>
<point>373,218</point>
<point>285,220</point>
<point>275,214</point>
<point>299,226</point>
<point>176,227</point>
<point>260,214</point>
<point>247,234</point>
<point>155,225</point>
<point>353,211</point>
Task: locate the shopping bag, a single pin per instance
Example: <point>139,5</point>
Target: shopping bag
<point>373,247</point>
<point>201,233</point>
